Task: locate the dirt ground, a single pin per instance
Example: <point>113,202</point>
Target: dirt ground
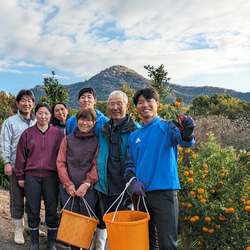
<point>7,228</point>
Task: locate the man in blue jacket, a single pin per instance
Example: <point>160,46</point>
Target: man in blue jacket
<point>87,98</point>
<point>111,160</point>
<point>151,166</point>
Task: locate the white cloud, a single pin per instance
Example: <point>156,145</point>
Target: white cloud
<point>83,37</point>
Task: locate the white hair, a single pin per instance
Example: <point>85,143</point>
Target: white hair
<point>119,93</point>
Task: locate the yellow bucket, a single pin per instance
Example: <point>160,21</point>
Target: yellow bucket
<point>76,229</point>
<point>127,230</point>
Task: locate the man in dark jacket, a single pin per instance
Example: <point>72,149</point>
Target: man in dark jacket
<point>113,139</point>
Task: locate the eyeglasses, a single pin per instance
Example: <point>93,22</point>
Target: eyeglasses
<point>87,121</point>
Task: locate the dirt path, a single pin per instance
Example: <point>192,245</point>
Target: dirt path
<point>7,229</point>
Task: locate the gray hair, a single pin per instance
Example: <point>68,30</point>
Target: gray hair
<point>119,93</point>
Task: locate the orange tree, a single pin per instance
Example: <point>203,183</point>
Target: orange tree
<point>215,197</point>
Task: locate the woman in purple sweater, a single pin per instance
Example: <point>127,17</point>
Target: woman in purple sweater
<point>36,170</point>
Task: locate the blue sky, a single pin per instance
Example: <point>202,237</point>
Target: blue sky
<point>200,43</point>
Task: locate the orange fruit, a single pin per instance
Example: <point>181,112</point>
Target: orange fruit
<point>190,180</point>
<point>217,226</point>
<point>191,171</point>
<point>248,203</point>
<point>221,217</point>
<point>186,173</point>
<point>180,149</point>
<point>203,176</point>
<point>189,205</point>
<point>192,219</point>
<point>207,219</point>
<point>192,193</point>
<point>193,156</point>
<point>222,174</point>
<point>231,210</point>
<point>205,229</point>
<point>187,151</point>
<point>199,243</point>
<point>177,104</point>
<point>247,208</point>
<point>200,191</point>
<point>230,199</point>
<point>196,217</point>
<point>202,200</point>
<point>136,111</point>
<point>204,165</point>
<point>210,231</point>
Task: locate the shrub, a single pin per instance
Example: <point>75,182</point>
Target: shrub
<point>224,176</point>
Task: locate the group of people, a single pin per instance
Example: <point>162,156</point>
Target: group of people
<point>93,157</point>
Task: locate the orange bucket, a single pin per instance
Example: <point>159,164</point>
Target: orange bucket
<point>76,229</point>
<point>128,230</point>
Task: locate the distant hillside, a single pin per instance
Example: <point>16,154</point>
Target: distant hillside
<point>115,77</point>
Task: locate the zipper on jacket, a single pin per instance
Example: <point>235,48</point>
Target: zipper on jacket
<point>42,156</point>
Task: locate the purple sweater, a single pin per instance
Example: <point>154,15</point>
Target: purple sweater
<point>36,152</point>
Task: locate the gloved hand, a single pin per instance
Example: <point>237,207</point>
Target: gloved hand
<point>138,187</point>
<point>186,126</point>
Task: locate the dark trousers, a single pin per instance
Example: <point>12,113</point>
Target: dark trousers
<point>76,204</point>
<point>105,201</point>
<point>162,206</point>
<point>35,188</point>
<point>16,198</point>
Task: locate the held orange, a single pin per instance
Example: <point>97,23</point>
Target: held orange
<point>177,104</point>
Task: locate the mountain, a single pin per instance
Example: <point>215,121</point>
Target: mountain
<point>115,77</point>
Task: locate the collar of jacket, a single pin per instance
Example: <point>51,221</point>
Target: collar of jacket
<point>127,126</point>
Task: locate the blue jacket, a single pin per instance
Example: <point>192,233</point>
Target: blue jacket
<point>103,155</point>
<point>100,121</point>
<point>153,154</point>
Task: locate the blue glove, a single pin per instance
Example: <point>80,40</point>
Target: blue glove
<point>186,126</point>
<point>138,187</point>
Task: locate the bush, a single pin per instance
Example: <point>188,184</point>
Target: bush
<point>4,180</point>
<point>227,132</point>
<point>214,197</point>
